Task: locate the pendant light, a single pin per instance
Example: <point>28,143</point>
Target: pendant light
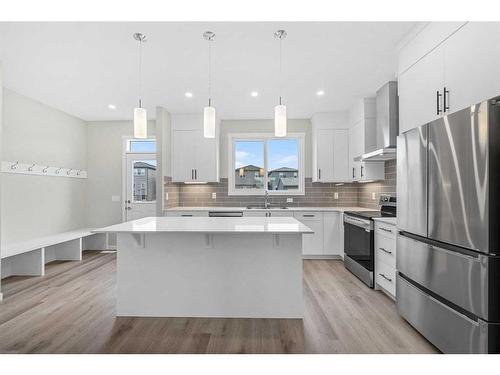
<point>209,111</point>
<point>140,115</point>
<point>280,128</point>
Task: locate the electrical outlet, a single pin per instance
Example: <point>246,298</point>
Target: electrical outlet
<point>289,200</point>
<point>373,196</point>
<point>335,195</point>
<point>166,196</point>
<point>214,195</point>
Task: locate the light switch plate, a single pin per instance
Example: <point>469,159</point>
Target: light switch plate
<point>289,200</point>
<point>115,198</point>
<point>373,196</point>
<point>214,195</point>
<point>335,195</point>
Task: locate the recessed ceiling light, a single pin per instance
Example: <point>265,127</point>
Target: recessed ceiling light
<point>320,93</point>
<point>188,95</point>
<point>111,106</point>
<point>254,94</point>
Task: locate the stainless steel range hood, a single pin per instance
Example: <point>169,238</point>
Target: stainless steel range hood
<point>387,124</point>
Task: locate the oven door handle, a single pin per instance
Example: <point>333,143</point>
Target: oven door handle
<point>366,224</point>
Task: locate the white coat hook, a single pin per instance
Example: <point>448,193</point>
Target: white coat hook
<point>69,171</point>
<point>30,169</point>
<point>44,170</point>
<point>14,166</point>
<point>78,172</point>
<point>58,170</point>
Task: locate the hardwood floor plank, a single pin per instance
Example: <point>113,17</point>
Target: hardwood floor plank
<point>72,310</point>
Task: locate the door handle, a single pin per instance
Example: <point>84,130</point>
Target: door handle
<point>445,106</point>
<point>438,110</point>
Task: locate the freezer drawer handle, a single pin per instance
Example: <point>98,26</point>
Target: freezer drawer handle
<point>385,251</point>
<point>385,277</point>
<point>386,230</point>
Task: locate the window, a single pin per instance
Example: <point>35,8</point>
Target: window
<point>141,145</point>
<point>261,162</point>
<point>144,181</point>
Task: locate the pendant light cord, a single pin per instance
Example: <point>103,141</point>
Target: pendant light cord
<point>209,72</point>
<point>280,81</point>
<point>140,73</point>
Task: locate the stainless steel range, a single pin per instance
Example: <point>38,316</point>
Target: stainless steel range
<point>358,238</point>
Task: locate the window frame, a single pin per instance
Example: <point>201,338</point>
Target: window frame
<point>264,137</point>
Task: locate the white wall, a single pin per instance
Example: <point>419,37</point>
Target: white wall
<point>104,150</point>
<point>33,206</point>
<point>262,126</point>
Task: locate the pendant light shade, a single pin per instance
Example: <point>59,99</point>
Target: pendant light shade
<point>280,126</point>
<point>140,123</point>
<point>140,114</point>
<point>209,122</point>
<point>280,120</point>
<point>209,111</point>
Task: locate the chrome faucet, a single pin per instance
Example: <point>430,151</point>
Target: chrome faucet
<point>266,200</point>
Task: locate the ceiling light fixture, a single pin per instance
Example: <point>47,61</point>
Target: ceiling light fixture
<point>188,95</point>
<point>209,111</point>
<point>112,106</point>
<point>280,110</point>
<point>320,93</point>
<point>254,94</point>
<point>140,115</point>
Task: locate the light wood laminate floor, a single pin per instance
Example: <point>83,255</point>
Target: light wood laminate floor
<point>72,310</point>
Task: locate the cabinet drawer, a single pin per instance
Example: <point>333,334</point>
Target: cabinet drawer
<point>385,250</point>
<point>308,215</point>
<point>387,230</point>
<point>186,213</point>
<point>386,277</point>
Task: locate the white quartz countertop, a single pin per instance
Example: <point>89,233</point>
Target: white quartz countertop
<point>388,220</point>
<point>219,208</point>
<point>274,225</point>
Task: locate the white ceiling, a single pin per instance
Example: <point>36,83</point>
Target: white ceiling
<point>80,68</point>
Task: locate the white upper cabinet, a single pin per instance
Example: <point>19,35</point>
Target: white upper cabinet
<point>420,91</point>
<point>330,154</point>
<point>194,157</point>
<point>472,64</point>
<point>362,139</point>
<point>460,70</point>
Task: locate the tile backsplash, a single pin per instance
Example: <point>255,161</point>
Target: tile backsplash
<point>316,194</point>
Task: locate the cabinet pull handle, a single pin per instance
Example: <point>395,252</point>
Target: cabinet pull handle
<point>319,174</point>
<point>385,277</point>
<point>308,215</point>
<point>385,251</point>
<point>362,172</point>
<point>445,106</point>
<point>195,174</point>
<point>192,174</point>
<point>353,172</point>
<point>438,95</point>
<point>186,215</point>
<point>385,229</point>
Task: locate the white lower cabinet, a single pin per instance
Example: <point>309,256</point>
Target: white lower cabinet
<point>312,244</point>
<point>385,258</point>
<point>333,234</point>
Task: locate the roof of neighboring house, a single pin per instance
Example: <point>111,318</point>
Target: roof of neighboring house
<point>284,169</point>
<point>141,164</point>
<point>249,167</point>
<point>289,181</point>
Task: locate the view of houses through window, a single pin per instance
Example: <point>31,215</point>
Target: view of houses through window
<point>144,181</point>
<point>280,155</point>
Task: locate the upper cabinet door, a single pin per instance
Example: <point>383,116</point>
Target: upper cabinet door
<point>183,156</point>
<point>418,86</point>
<point>341,155</point>
<point>472,63</point>
<point>324,155</point>
<point>206,166</point>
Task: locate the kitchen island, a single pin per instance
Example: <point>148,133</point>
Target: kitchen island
<point>209,267</point>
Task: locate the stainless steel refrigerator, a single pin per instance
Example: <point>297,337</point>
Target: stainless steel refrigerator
<point>448,245</point>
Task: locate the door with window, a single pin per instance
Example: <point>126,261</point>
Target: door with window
<point>140,185</point>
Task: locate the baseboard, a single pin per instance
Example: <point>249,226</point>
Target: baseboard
<point>326,257</point>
